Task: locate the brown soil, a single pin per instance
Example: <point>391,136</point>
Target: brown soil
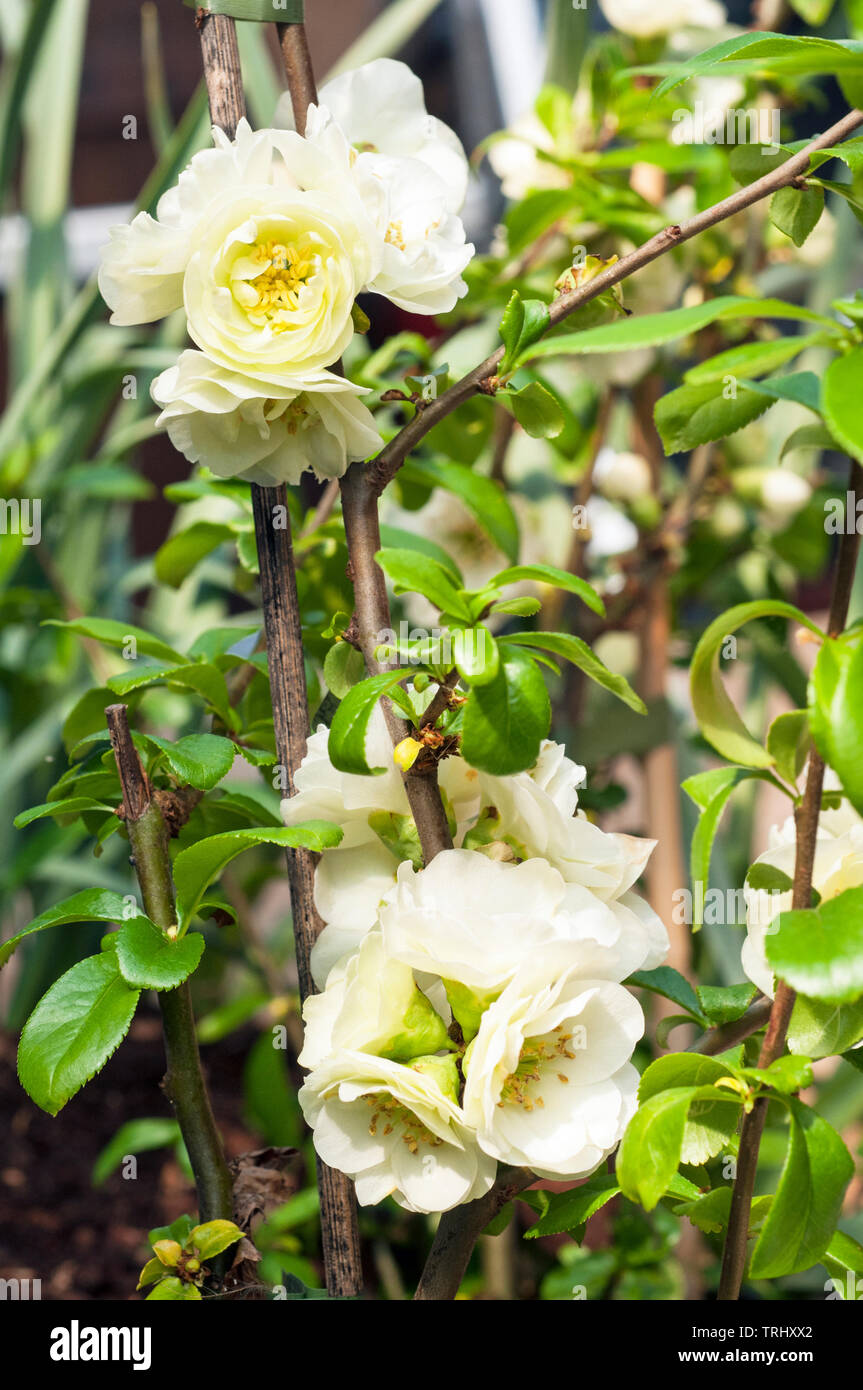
<point>81,1241</point>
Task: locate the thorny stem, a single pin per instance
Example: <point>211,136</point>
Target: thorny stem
<point>806,817</point>
<point>339,1232</point>
<point>184,1082</point>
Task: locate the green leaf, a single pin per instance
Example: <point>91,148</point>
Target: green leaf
<point>485,499</point>
<point>726,1003</point>
<point>475,654</point>
<point>343,668</point>
<point>823,1030</point>
<point>803,1215</point>
<point>703,837</point>
<point>213,1237</point>
<point>198,760</point>
<point>803,388</point>
<point>200,676</point>
<point>535,409</point>
<point>836,710</point>
<point>713,1112</point>
<point>844,1256</point>
<point>196,868</point>
<point>393,538</point>
<point>114,634</point>
<point>568,1210</point>
<point>506,720</point>
<point>654,330</point>
<point>788,743</point>
<point>649,1155</point>
<point>717,718</point>
<point>73,1030</point>
<point>347,743</point>
<point>134,1137</point>
<point>750,359</point>
<point>523,324</point>
<point>841,401</point>
<point>672,985</point>
<point>819,950</point>
<point>413,572</point>
<point>558,579</point>
<point>797,211</point>
<point>765,878</point>
<point>694,415</point>
<point>808,437</point>
<point>578,652</point>
<point>786,1075</point>
<point>68,807</point>
<point>149,959</point>
<point>175,560</point>
<point>91,905</point>
<point>174,1290</point>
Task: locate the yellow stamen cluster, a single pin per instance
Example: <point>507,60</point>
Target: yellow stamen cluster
<point>534,1055</point>
<point>284,272</point>
<point>394,1114</point>
<point>396,235</point>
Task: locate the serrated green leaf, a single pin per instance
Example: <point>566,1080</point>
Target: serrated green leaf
<point>823,1030</point>
<point>819,950</point>
<point>91,905</point>
<point>750,359</point>
<point>841,401</point>
<point>198,760</point>
<point>506,720</point>
<point>558,579</point>
<point>198,866</point>
<point>568,1210</point>
<point>413,572</point>
<point>73,1030</point>
<point>347,742</point>
<point>797,211</point>
<point>836,710</point>
<point>802,1218</point>
<point>694,415</point>
<point>535,409</point>
<point>213,1237</point>
<point>671,985</point>
<point>115,634</point>
<point>70,806</point>
<point>149,959</point>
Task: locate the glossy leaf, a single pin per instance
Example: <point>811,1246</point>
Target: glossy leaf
<point>198,866</point>
<point>73,1030</point>
<point>149,959</point>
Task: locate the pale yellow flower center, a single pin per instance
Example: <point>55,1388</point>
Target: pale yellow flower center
<point>274,293</point>
<point>389,1114</point>
<point>536,1061</point>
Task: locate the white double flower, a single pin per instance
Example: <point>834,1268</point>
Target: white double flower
<point>266,241</point>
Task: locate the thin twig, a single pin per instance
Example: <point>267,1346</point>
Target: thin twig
<point>184,1083</point>
<point>391,458</point>
<point>282,624</point>
<point>806,817</point>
